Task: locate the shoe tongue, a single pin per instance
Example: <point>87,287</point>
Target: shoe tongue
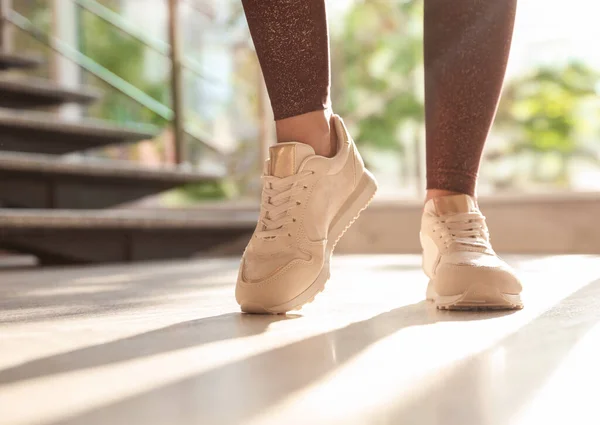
<point>287,157</point>
<point>449,205</point>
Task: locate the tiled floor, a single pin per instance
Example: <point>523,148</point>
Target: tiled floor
<point>165,344</point>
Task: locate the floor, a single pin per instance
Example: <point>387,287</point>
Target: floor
<point>164,344</point>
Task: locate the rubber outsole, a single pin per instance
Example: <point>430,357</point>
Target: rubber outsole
<point>479,297</point>
<point>356,203</point>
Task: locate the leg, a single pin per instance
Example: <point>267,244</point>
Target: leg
<point>466,50</point>
<point>292,44</point>
<point>313,189</point>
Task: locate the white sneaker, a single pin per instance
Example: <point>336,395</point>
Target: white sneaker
<point>308,202</point>
<point>465,273</point>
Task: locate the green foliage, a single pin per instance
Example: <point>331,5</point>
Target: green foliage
<point>193,193</point>
<point>544,105</point>
<point>125,57</point>
<point>377,60</point>
<point>544,110</point>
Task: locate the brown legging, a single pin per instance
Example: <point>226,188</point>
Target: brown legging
<point>466,50</point>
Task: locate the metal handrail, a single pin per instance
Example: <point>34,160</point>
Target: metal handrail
<point>116,21</point>
<point>113,80</point>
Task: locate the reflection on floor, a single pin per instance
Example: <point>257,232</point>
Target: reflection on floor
<point>164,344</point>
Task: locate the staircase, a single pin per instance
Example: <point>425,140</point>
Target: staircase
<point>68,210</point>
<point>9,61</point>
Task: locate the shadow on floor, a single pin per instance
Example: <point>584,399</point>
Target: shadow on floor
<point>171,338</point>
<point>235,392</point>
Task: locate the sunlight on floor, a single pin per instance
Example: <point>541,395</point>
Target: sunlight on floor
<point>167,346</point>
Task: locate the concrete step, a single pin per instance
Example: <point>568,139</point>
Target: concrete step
<point>71,237</point>
<point>27,131</point>
<point>13,61</point>
<point>46,181</point>
<point>22,93</point>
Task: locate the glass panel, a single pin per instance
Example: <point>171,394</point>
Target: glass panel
<point>545,136</point>
<point>546,133</point>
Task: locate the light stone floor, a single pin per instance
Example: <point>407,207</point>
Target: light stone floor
<point>163,343</point>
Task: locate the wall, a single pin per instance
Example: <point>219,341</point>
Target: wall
<point>533,224</point>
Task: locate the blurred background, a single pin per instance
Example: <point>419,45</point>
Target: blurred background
<point>204,110</point>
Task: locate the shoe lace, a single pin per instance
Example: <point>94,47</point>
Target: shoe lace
<point>466,230</point>
<point>279,198</point>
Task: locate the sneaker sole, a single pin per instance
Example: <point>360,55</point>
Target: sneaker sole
<point>477,297</point>
<point>348,213</point>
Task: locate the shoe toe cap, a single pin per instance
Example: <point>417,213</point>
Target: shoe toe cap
<point>454,279</point>
<point>260,292</point>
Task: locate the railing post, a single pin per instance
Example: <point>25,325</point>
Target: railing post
<point>176,81</point>
<point>5,36</point>
<point>62,70</point>
<point>264,120</point>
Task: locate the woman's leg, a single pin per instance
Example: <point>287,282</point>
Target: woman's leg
<point>467,43</point>
<point>308,201</point>
<point>466,50</point>
<point>292,44</point>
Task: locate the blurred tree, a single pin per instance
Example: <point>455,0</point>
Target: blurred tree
<point>377,64</point>
<point>543,110</point>
<point>117,52</point>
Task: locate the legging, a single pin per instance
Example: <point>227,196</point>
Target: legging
<point>466,42</point>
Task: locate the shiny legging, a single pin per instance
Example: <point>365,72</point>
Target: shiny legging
<point>467,43</point>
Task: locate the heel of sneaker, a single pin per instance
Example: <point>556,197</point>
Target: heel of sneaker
<point>358,201</point>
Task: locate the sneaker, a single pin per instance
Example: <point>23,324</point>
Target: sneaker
<point>308,202</point>
<point>464,271</point>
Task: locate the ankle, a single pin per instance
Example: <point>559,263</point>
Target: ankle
<point>437,193</point>
<point>312,128</point>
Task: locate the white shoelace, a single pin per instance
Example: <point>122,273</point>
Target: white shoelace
<point>280,198</point>
<point>465,229</point>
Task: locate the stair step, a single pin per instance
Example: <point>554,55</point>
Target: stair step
<point>61,236</point>
<point>28,131</point>
<point>19,92</point>
<point>8,61</point>
<point>142,218</point>
<point>46,181</point>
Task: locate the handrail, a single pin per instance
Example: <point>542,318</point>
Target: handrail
<point>116,21</point>
<point>113,80</point>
